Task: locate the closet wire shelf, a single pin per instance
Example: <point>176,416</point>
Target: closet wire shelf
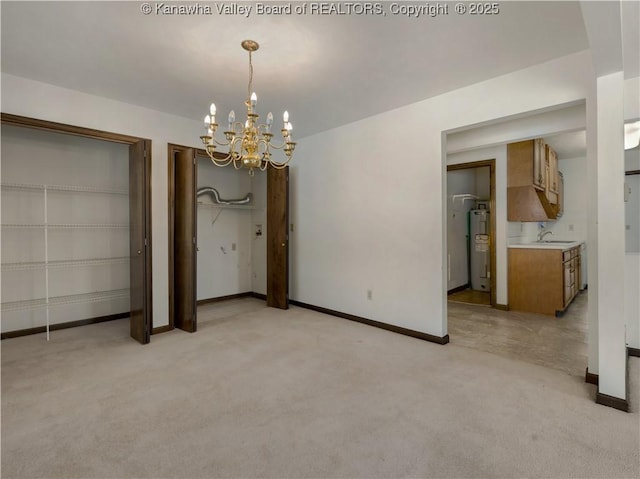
<point>66,226</point>
<point>94,297</point>
<point>202,204</point>
<point>80,189</point>
<point>82,298</point>
<point>63,263</point>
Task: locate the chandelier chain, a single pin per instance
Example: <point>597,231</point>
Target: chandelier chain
<point>250,76</point>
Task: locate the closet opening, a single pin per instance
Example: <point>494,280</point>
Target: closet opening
<point>227,235</point>
<point>471,232</point>
<point>76,228</point>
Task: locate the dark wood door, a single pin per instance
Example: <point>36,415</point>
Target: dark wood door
<point>140,243</point>
<point>185,241</point>
<point>278,238</point>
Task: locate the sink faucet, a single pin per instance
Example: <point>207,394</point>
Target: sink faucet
<point>542,234</point>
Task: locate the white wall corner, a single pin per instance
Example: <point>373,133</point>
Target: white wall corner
<point>611,247</point>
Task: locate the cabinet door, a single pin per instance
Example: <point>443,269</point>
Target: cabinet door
<point>560,195</point>
<point>567,280</point>
<point>552,196</point>
<point>553,171</point>
<point>578,271</point>
<point>539,163</point>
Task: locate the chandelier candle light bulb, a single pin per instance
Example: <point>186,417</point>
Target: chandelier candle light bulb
<point>269,122</point>
<point>249,144</point>
<point>232,119</point>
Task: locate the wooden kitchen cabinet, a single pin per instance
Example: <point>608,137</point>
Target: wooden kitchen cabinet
<point>560,195</point>
<point>532,181</point>
<point>543,280</point>
<point>552,161</point>
<point>539,177</point>
<point>551,189</point>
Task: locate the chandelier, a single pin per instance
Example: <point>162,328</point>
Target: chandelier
<point>249,143</point>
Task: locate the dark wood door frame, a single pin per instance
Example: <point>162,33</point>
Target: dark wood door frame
<point>492,217</point>
<point>34,123</point>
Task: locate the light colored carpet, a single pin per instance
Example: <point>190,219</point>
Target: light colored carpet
<point>295,393</point>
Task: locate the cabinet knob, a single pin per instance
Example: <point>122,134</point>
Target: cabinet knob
<point>283,244</point>
<point>139,251</point>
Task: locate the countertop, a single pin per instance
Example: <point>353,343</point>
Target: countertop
<point>564,245</point>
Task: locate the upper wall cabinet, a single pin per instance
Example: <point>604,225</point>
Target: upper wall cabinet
<point>533,192</point>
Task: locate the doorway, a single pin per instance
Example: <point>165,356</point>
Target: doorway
<point>77,252</point>
<point>471,230</point>
<point>220,219</point>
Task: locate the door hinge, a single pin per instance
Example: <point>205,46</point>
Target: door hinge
<point>194,240</point>
<point>146,243</point>
<point>194,160</point>
<point>145,153</point>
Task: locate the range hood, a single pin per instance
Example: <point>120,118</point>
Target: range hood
<point>526,203</point>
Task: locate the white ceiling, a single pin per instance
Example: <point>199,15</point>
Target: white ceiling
<point>569,145</point>
<point>326,70</point>
<point>630,17</point>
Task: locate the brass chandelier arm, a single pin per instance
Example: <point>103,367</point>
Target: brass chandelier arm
<point>222,143</point>
<point>276,147</point>
<point>278,166</point>
<point>227,159</point>
<point>222,163</point>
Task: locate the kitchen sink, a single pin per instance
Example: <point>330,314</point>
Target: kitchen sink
<point>554,241</point>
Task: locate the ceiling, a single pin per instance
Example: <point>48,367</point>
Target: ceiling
<point>327,70</point>
<point>568,145</point>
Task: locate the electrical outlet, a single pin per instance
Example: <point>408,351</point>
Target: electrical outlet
<point>233,246</point>
<point>369,294</point>
<point>570,227</point>
<point>292,227</point>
